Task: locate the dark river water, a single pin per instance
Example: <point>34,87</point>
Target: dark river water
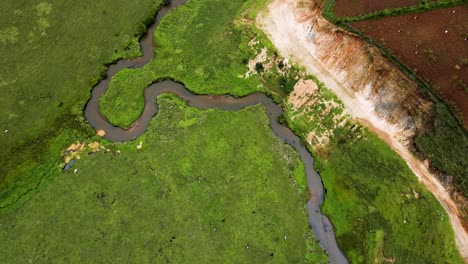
<point>320,224</point>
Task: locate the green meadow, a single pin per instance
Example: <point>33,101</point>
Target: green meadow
<point>206,186</point>
<point>371,196</point>
<point>52,52</point>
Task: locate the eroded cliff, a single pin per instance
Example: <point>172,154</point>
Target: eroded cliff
<point>363,71</point>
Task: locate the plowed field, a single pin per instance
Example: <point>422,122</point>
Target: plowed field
<point>434,44</point>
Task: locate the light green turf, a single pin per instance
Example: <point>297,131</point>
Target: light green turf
<point>217,190</point>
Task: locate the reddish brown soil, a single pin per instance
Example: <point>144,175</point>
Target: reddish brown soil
<point>345,8</point>
<point>435,44</point>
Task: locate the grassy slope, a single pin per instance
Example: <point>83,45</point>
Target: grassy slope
<point>207,186</point>
<point>342,211</point>
<point>50,58</point>
<point>378,207</point>
<point>371,194</point>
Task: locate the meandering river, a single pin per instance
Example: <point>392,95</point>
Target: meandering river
<point>320,224</point>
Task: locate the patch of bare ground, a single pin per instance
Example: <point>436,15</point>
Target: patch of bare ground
<point>306,96</point>
<point>372,90</point>
<point>302,94</point>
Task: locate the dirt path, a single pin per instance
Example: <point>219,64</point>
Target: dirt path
<point>291,36</point>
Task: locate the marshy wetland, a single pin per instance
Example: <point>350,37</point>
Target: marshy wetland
<point>197,183</point>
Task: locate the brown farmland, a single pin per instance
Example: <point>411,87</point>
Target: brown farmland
<point>434,44</point>
<point>346,8</point>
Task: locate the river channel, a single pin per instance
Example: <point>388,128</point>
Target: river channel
<point>320,224</point>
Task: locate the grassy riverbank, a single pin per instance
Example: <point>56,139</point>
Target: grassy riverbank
<point>367,200</point>
<point>208,53</point>
<point>206,186</point>
<point>52,53</point>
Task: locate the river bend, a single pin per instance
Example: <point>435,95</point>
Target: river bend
<point>320,224</point>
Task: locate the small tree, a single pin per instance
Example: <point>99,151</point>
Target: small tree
<point>259,67</point>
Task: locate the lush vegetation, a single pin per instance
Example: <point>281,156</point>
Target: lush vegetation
<point>208,53</point>
<point>52,53</point>
<point>379,209</point>
<point>383,232</point>
<point>212,184</point>
<point>446,147</point>
<point>124,101</point>
<point>206,186</point>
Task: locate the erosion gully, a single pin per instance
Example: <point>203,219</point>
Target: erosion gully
<point>320,224</point>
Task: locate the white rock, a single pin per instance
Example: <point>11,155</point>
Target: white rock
<point>75,171</point>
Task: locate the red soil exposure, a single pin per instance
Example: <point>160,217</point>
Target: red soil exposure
<point>345,8</point>
<point>435,44</point>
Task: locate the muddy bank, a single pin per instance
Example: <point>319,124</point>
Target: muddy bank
<point>320,224</point>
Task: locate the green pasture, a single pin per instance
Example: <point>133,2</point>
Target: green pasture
<point>220,188</point>
<point>52,52</point>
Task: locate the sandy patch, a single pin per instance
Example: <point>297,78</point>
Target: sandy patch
<point>101,132</point>
<point>302,93</point>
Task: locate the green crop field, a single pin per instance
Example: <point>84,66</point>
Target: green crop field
<point>52,52</point>
<point>206,186</point>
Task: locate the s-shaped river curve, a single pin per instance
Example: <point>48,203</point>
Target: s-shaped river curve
<point>320,224</point>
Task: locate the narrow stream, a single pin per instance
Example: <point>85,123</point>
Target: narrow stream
<point>320,224</point>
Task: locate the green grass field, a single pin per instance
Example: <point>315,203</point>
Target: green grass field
<point>52,53</point>
<point>379,208</point>
<point>206,186</point>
